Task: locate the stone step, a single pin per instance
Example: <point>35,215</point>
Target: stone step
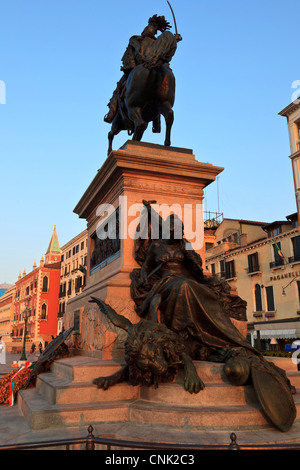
<point>40,415</point>
<point>212,395</point>
<point>84,369</point>
<point>59,390</point>
<point>206,417</point>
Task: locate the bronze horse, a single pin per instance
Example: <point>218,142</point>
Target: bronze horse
<point>148,93</point>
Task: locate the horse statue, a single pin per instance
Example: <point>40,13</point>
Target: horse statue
<point>147,89</point>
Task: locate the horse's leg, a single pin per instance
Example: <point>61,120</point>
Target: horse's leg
<point>116,127</point>
<point>135,114</point>
<point>110,141</point>
<point>167,112</point>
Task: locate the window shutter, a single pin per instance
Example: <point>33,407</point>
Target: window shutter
<point>250,263</point>
<point>270,299</point>
<point>258,301</point>
<point>296,247</point>
<point>256,267</point>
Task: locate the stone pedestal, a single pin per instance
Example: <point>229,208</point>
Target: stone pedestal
<point>136,172</point>
<point>66,399</point>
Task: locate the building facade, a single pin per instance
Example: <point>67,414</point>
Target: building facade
<point>6,304</point>
<point>292,114</point>
<point>72,276</point>
<point>261,262</point>
<point>36,299</point>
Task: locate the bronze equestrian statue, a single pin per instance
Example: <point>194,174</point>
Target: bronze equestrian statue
<point>147,89</point>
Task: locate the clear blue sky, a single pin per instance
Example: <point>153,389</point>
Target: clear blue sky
<point>60,61</point>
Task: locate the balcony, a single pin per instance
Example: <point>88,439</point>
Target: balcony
<point>222,248</point>
<point>277,263</point>
<point>294,259</point>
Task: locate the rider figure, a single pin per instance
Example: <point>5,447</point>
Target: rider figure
<point>134,55</point>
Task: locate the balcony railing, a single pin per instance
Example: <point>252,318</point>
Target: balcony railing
<point>276,263</point>
<point>294,259</point>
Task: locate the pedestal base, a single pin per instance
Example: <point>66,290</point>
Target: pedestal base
<point>66,397</point>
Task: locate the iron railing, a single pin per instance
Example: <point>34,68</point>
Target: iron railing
<point>293,259</point>
<point>90,442</point>
<point>278,262</point>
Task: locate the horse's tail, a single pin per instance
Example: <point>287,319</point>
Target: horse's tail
<point>162,51</point>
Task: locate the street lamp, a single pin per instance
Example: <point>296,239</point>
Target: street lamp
<point>283,288</point>
<point>26,313</point>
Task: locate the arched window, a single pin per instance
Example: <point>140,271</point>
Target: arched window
<point>258,301</point>
<point>45,284</point>
<point>44,312</point>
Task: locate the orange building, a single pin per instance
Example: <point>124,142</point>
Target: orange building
<point>37,297</point>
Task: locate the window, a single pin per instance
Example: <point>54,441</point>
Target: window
<point>277,257</point>
<point>297,135</point>
<point>253,265</point>
<point>45,284</point>
<point>296,248</point>
<point>229,270</point>
<point>78,284</point>
<point>274,232</point>
<point>222,267</point>
<point>258,300</point>
<point>208,245</point>
<point>69,288</point>
<point>270,299</point>
<point>44,312</point>
<point>213,269</point>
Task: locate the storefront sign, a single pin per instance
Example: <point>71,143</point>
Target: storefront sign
<point>285,276</point>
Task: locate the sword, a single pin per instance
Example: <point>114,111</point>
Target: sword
<point>174,20</point>
<point>140,283</point>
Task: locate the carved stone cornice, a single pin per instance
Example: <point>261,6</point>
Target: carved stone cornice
<point>144,161</point>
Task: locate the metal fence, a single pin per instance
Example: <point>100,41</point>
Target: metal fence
<point>90,442</point>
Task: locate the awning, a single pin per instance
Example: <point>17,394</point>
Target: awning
<point>278,334</point>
